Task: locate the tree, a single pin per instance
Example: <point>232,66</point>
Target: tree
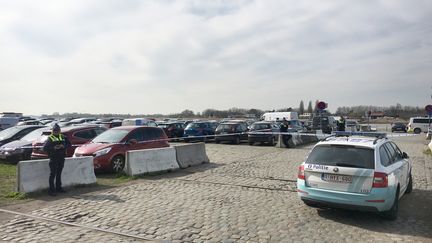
<point>310,109</point>
<point>187,113</point>
<point>301,108</point>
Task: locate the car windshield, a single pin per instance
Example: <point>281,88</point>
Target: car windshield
<point>342,155</point>
<point>111,136</point>
<point>9,132</point>
<point>33,135</point>
<point>195,125</point>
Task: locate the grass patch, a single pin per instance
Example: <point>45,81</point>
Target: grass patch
<point>16,195</point>
<point>7,184</point>
<point>104,179</point>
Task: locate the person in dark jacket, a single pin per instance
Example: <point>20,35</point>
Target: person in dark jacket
<point>284,128</point>
<point>56,146</point>
<point>341,124</point>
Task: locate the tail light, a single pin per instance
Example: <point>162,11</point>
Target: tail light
<point>301,174</point>
<point>380,180</point>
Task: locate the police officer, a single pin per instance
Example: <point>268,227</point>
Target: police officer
<point>284,128</point>
<point>56,146</point>
<point>341,124</point>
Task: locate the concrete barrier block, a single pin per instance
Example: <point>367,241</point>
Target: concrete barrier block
<point>32,175</point>
<point>140,162</point>
<point>191,154</point>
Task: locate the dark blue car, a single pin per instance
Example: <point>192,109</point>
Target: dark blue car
<point>200,131</point>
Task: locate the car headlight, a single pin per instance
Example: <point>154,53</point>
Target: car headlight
<point>102,152</point>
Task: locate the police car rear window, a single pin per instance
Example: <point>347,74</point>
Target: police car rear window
<point>342,155</point>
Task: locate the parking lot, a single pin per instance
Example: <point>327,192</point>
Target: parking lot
<point>246,194</point>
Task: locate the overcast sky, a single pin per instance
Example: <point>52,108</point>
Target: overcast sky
<point>163,56</point>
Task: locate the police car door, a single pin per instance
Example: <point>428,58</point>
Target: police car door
<point>401,165</point>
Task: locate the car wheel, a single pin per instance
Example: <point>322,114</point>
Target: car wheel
<point>393,212</point>
<point>410,185</point>
<point>272,141</point>
<point>237,140</point>
<point>117,163</point>
<point>417,130</point>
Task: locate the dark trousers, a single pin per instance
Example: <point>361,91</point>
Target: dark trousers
<point>56,168</point>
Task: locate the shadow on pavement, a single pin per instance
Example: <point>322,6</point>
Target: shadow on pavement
<point>414,219</point>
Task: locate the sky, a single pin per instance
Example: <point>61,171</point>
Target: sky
<point>165,56</point>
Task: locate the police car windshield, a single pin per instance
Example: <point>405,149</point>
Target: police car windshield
<point>342,155</point>
<point>111,136</point>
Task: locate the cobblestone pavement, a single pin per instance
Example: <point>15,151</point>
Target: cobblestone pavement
<point>246,194</point>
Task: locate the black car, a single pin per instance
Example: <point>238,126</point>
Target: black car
<point>172,129</point>
<point>21,149</point>
<point>17,132</point>
<point>263,132</point>
<point>399,126</point>
<point>231,131</point>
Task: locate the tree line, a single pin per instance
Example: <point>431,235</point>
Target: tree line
<point>399,111</point>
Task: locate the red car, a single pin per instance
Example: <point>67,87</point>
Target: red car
<point>109,149</point>
<point>77,135</point>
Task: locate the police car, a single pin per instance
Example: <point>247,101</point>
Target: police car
<point>355,170</point>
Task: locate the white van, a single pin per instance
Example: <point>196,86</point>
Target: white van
<point>139,122</point>
<point>419,124</point>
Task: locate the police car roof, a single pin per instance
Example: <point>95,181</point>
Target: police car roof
<point>369,140</point>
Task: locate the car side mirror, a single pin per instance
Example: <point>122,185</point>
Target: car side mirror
<point>132,142</point>
<point>405,155</point>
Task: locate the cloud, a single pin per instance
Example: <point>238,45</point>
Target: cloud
<point>167,56</point>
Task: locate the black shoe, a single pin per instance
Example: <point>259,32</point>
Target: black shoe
<point>52,194</point>
<point>61,190</point>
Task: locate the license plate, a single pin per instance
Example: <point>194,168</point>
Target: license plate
<point>336,178</point>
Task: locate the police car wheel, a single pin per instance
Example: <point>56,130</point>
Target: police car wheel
<point>417,130</point>
<point>117,163</point>
<point>392,213</point>
<point>410,185</point>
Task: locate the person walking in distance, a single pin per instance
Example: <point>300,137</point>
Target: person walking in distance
<point>56,146</point>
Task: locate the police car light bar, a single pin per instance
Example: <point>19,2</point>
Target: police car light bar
<point>364,134</point>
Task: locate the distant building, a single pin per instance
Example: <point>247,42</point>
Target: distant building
<point>376,114</point>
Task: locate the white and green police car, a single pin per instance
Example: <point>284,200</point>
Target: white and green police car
<point>361,171</point>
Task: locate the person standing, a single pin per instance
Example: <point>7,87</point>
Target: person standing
<point>283,129</point>
<point>55,147</point>
<point>341,124</point>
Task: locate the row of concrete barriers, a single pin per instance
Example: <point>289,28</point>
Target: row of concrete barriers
<point>32,175</point>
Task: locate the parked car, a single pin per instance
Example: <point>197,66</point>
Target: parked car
<point>352,125</point>
<point>269,133</point>
<point>399,126</point>
<point>363,171</point>
<point>172,129</point>
<point>201,130</point>
<point>139,122</point>
<point>21,149</point>
<point>77,135</point>
<point>81,120</point>
<point>231,131</point>
<point>109,148</point>
<point>16,133</point>
<point>29,122</point>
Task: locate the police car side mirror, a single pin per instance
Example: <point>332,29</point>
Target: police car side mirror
<point>405,155</point>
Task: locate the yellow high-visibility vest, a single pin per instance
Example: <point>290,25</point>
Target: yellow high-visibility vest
<point>56,139</point>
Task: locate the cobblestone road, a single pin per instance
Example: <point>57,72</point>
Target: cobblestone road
<point>247,194</point>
